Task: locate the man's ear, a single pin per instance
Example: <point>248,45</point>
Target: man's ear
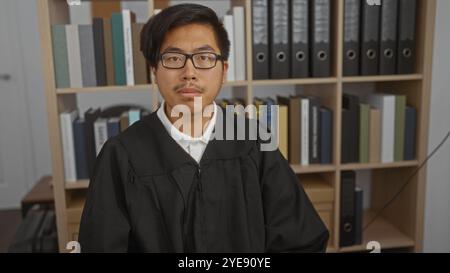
<point>224,72</point>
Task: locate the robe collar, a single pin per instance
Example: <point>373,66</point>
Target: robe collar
<point>173,156</point>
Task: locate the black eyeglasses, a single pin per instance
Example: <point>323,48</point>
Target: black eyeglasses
<point>201,60</point>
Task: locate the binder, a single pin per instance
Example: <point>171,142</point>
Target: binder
<point>388,37</point>
<point>352,12</point>
<point>320,38</point>
<point>299,38</point>
<point>370,39</point>
<point>407,29</point>
<point>350,119</point>
<point>260,36</point>
<point>279,39</point>
<point>359,211</point>
<point>347,217</point>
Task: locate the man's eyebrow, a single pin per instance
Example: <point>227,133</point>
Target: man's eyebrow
<point>202,48</point>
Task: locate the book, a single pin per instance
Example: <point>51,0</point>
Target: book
<point>128,18</point>
<point>81,159</point>
<point>386,104</point>
<point>118,49</point>
<point>101,134</point>
<point>239,45</point>
<point>60,58</point>
<point>66,123</point>
<point>375,136</point>
<point>364,128</point>
<point>399,145</point>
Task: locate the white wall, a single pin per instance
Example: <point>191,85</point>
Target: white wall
<point>437,218</point>
<point>437,213</point>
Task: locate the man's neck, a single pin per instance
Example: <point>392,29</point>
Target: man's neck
<point>194,117</point>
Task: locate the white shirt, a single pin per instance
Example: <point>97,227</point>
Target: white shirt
<point>193,146</point>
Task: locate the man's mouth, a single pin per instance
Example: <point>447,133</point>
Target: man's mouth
<point>189,92</point>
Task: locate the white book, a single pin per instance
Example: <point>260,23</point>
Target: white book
<point>128,46</point>
<point>138,7</point>
<point>66,120</point>
<point>101,133</point>
<point>74,56</point>
<point>228,24</point>
<point>386,104</point>
<point>304,132</point>
<point>239,39</point>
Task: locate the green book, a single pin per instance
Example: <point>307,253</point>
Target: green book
<point>364,128</point>
<point>118,48</point>
<point>60,59</point>
<point>399,143</point>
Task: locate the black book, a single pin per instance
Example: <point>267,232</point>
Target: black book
<point>89,118</point>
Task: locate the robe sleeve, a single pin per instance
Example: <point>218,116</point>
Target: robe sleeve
<point>104,223</point>
<point>291,222</point>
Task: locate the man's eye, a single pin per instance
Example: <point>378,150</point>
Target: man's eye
<point>205,58</point>
<point>174,59</point>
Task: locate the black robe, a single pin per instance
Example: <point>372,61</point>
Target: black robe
<point>148,195</point>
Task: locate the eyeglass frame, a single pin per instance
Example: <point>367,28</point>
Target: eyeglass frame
<point>219,57</point>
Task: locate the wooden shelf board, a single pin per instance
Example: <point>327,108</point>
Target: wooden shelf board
<point>382,231</point>
<point>299,169</point>
<point>383,78</point>
<point>236,83</point>
<point>307,81</point>
<point>80,184</point>
<point>124,88</point>
<point>98,89</point>
<point>370,166</point>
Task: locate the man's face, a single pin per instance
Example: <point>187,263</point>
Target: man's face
<point>180,86</point>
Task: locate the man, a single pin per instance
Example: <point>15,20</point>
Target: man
<point>161,188</point>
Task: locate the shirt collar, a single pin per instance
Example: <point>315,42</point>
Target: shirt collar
<point>181,137</point>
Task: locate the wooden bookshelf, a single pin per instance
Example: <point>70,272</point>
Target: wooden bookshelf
<point>400,226</point>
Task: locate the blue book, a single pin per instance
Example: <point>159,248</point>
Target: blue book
<point>326,135</point>
<point>133,116</point>
<point>81,160</point>
<point>113,127</point>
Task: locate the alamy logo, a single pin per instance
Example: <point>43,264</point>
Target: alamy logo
<point>73,246</point>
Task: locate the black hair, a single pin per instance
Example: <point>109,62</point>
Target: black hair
<point>155,30</point>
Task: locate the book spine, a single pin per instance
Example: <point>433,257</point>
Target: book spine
<point>60,58</point>
<point>128,46</point>
<point>73,51</point>
<point>101,134</point>
<point>118,49</point>
<point>66,120</point>
<point>305,132</point>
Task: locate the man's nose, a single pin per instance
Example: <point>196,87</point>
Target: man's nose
<point>190,71</point>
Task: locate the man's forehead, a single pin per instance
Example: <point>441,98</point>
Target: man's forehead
<point>204,47</point>
<point>192,37</point>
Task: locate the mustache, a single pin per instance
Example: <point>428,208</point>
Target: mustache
<point>184,85</point>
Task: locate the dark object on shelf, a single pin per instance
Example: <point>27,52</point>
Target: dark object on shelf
<point>37,233</point>
<point>41,194</point>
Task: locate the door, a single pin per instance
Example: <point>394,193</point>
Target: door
<point>14,126</point>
